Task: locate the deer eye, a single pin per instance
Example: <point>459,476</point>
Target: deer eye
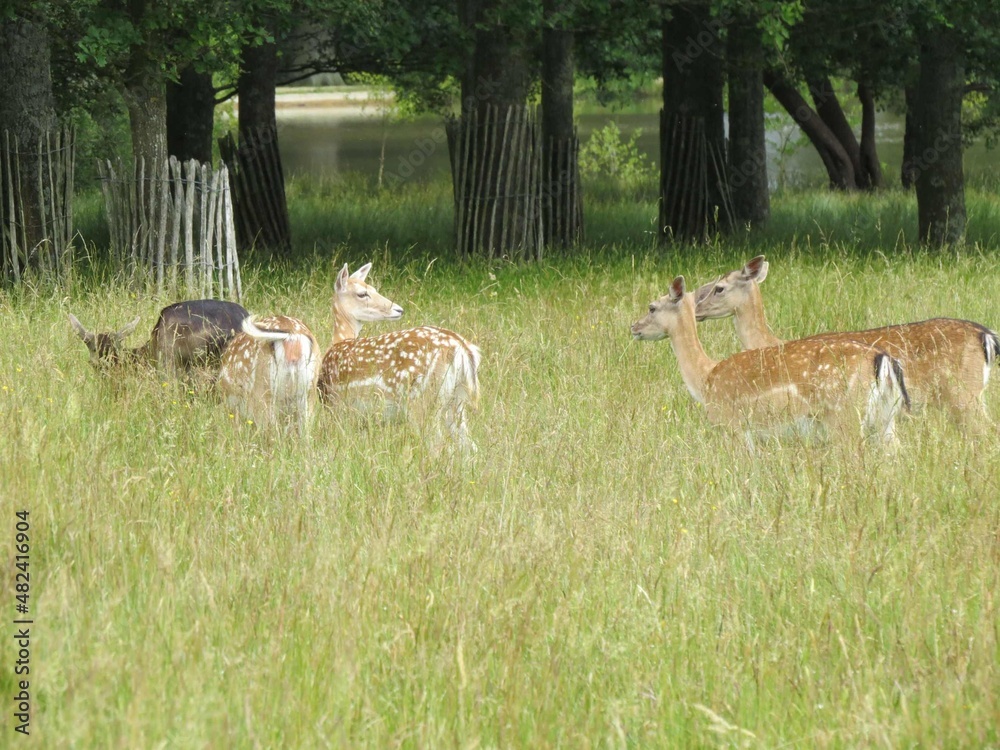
<point>652,308</point>
<point>363,295</point>
<point>720,289</point>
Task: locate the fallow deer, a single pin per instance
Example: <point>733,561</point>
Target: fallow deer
<point>185,335</point>
<point>424,372</point>
<point>269,371</point>
<point>802,385</point>
<point>947,361</point>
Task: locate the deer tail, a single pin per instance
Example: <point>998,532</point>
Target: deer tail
<point>462,376</point>
<point>991,349</point>
<point>890,381</point>
<point>260,334</point>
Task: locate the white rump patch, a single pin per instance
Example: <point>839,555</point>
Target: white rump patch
<point>885,399</point>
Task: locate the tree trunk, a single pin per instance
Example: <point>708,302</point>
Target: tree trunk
<point>870,165</point>
<point>497,189</point>
<point>144,91</point>
<point>747,148</point>
<point>836,160</point>
<point>832,114</point>
<point>908,170</point>
<point>561,191</point>
<point>27,107</point>
<point>693,190</point>
<point>255,88</point>
<point>261,177</point>
<point>191,116</point>
<point>27,112</point>
<point>938,140</point>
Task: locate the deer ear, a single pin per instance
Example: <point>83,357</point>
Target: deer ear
<point>85,336</point>
<point>703,292</point>
<point>755,269</point>
<point>341,283</point>
<point>128,329</point>
<point>677,289</point>
<point>362,273</point>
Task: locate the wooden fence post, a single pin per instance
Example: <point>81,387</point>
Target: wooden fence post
<point>176,215</point>
<point>497,183</point>
<point>36,205</point>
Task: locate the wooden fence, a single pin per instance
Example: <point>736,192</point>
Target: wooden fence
<point>261,208</point>
<point>496,163</point>
<point>561,195</point>
<point>695,200</point>
<point>36,205</point>
<point>172,224</point>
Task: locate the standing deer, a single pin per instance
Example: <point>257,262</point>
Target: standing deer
<point>424,372</point>
<point>185,335</point>
<point>269,371</point>
<point>947,361</point>
<point>801,385</point>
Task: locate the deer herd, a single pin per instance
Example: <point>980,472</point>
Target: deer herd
<point>270,369</point>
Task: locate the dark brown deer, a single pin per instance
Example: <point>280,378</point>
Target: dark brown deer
<point>187,334</point>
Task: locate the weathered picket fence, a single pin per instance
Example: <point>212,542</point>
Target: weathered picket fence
<point>496,164</point>
<point>260,205</point>
<point>36,205</point>
<point>171,224</point>
<point>695,199</point>
<point>562,199</point>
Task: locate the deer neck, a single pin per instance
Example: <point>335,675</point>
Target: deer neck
<point>345,327</point>
<point>694,364</point>
<point>129,358</point>
<point>145,354</point>
<point>751,325</point>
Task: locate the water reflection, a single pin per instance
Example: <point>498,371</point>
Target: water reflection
<point>329,141</point>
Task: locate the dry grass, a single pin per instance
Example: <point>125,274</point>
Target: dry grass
<point>608,570</point>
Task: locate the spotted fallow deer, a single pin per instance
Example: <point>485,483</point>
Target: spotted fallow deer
<point>804,387</point>
<point>187,334</point>
<point>424,372</point>
<point>947,361</point>
<point>269,371</point>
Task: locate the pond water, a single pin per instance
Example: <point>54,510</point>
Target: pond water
<point>327,141</point>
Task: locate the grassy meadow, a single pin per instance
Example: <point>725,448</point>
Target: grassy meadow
<point>607,571</point>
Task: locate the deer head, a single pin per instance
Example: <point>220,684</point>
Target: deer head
<point>356,302</point>
<point>730,292</point>
<point>105,348</point>
<point>663,318</point>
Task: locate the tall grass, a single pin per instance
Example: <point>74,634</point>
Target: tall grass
<point>418,218</point>
<point>415,220</point>
<point>608,570</point>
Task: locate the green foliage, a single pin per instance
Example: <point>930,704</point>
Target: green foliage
<point>639,93</point>
<point>419,46</point>
<point>616,43</point>
<point>775,19</point>
<point>107,38</point>
<point>102,132</point>
<point>608,157</point>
